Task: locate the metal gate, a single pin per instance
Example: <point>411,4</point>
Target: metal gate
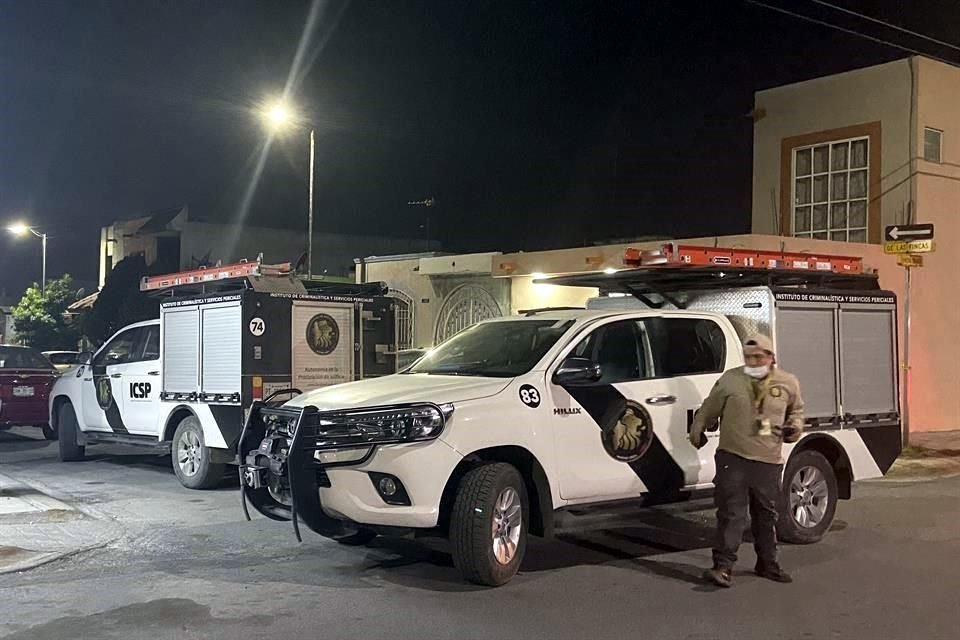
<point>403,308</point>
<point>466,305</point>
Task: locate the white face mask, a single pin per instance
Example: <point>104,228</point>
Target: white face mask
<point>757,372</point>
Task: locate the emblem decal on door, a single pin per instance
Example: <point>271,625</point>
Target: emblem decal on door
<point>630,436</point>
<point>323,334</point>
<point>104,393</point>
<point>530,396</point>
<point>567,411</point>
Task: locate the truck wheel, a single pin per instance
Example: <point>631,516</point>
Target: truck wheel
<point>192,459</point>
<point>67,429</point>
<point>49,431</point>
<point>809,498</point>
<point>488,527</point>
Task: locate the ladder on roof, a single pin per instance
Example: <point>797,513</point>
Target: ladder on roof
<point>208,275</point>
<point>678,254</point>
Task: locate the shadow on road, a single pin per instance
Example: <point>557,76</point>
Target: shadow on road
<point>18,442</point>
<point>427,564</point>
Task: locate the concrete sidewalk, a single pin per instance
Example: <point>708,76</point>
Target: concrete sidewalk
<point>37,528</point>
<point>931,454</point>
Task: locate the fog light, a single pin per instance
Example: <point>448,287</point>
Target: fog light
<point>390,488</point>
<point>387,486</point>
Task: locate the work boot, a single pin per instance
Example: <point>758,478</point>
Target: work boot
<point>718,576</point>
<point>773,572</point>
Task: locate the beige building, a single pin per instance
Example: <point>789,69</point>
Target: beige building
<point>842,157</point>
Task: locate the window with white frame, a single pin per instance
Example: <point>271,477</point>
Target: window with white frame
<point>831,190</point>
<point>932,142</point>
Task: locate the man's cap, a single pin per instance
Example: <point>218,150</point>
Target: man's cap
<point>757,344</point>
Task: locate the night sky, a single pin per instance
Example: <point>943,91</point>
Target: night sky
<point>532,124</point>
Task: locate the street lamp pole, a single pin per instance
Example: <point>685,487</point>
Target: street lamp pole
<point>43,272</point>
<point>310,210</point>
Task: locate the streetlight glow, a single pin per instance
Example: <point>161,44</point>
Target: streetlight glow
<point>18,228</point>
<point>278,115</point>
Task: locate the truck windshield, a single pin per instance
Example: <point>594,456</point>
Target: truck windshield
<point>494,349</point>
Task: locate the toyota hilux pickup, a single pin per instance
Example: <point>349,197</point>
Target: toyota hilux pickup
<point>490,435</point>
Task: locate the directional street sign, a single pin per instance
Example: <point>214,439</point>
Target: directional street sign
<point>907,260</point>
<point>908,239</point>
<point>909,232</point>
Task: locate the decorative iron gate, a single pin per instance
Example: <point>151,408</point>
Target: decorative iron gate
<point>466,305</point>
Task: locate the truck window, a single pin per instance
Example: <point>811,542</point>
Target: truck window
<point>686,346</point>
<point>616,348</point>
<point>151,345</point>
<point>121,350</point>
<point>503,349</point>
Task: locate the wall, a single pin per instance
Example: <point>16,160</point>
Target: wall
<point>875,96</point>
<point>935,351</point>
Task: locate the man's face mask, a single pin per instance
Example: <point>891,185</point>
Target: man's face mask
<point>757,372</point>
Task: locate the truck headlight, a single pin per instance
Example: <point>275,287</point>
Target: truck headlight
<point>386,425</point>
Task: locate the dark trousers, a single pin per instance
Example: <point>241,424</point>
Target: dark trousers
<point>743,484</point>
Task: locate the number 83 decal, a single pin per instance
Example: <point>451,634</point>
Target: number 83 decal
<point>530,396</point>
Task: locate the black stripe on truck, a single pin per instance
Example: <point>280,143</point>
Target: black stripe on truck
<point>657,469</point>
<point>884,443</point>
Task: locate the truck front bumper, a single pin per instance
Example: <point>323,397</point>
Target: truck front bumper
<point>284,476</point>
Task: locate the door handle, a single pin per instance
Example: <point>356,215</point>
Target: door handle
<point>660,400</point>
<point>153,373</point>
<point>116,375</point>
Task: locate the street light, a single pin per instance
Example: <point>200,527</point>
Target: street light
<point>277,117</point>
<point>19,229</point>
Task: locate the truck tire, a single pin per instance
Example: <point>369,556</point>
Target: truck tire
<point>192,459</point>
<point>67,428</point>
<point>49,431</point>
<point>488,526</point>
<point>808,498</point>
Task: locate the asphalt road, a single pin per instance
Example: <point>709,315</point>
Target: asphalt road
<point>188,566</point>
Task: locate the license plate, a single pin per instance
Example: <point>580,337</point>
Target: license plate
<point>23,392</point>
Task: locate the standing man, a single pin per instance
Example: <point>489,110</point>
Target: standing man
<point>759,408</point>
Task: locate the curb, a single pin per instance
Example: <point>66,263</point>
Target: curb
<point>41,558</point>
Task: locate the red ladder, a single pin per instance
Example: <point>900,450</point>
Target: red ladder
<point>242,269</point>
<point>676,254</point>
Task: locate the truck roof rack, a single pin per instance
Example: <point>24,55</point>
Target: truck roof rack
<point>676,269</point>
<point>533,312</point>
<point>256,276</point>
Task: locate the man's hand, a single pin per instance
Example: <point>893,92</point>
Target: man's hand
<point>791,433</point>
<point>698,440</point>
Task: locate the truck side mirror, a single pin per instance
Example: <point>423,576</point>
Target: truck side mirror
<point>85,357</point>
<point>577,372</point>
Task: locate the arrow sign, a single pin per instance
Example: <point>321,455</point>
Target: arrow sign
<point>909,232</point>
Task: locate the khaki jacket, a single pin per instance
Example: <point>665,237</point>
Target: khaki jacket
<point>733,402</point>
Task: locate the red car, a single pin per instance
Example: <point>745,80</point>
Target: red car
<point>26,377</point>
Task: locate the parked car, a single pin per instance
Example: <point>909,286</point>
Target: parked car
<point>26,377</point>
<point>63,360</point>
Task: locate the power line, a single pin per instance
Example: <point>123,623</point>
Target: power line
<point>889,25</point>
<point>853,32</point>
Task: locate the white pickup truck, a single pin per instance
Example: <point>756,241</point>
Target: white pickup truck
<point>492,433</point>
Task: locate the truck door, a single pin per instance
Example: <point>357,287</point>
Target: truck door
<point>141,384</point>
<point>103,384</point>
<point>612,436</point>
<point>688,357</point>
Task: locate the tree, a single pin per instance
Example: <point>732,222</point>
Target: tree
<point>120,301</point>
<point>41,318</point>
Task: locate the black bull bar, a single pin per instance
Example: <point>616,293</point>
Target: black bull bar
<point>281,459</point>
<point>280,451</point>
